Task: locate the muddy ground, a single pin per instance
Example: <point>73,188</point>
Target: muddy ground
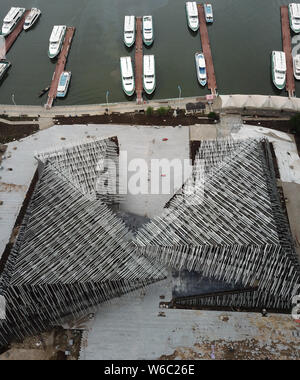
<point>137,119</point>
<point>9,133</point>
<point>58,344</point>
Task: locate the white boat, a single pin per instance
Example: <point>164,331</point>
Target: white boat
<point>32,18</point>
<point>4,66</point>
<point>11,20</point>
<point>192,15</point>
<point>63,85</point>
<point>56,40</point>
<point>209,16</point>
<point>149,77</point>
<point>201,68</point>
<point>296,65</point>
<point>148,32</point>
<point>129,31</point>
<point>294,16</point>
<point>278,62</point>
<point>128,82</point>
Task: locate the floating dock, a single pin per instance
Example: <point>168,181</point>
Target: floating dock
<point>139,60</point>
<point>60,67</point>
<point>287,48</point>
<point>11,38</point>
<point>211,77</point>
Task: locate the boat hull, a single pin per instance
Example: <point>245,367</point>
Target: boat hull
<point>63,94</point>
<point>192,28</point>
<point>33,23</point>
<point>297,76</point>
<point>150,91</point>
<point>54,55</point>
<point>295,30</point>
<point>129,93</point>
<point>148,42</point>
<point>8,65</point>
<point>129,45</point>
<point>201,81</point>
<point>279,86</point>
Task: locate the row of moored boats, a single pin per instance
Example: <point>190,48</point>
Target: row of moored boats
<point>278,58</point>
<point>194,23</point>
<point>192,15</point>
<point>149,73</point>
<point>130,30</point>
<point>10,21</point>
<point>56,41</point>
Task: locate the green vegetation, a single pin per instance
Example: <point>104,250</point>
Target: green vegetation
<point>163,111</point>
<point>213,116</point>
<point>150,111</point>
<point>295,124</point>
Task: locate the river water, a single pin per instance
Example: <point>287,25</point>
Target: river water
<point>242,37</point>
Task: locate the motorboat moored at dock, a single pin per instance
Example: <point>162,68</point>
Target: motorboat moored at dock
<point>148,31</point>
<point>278,63</point>
<point>11,20</point>
<point>56,40</point>
<point>149,75</point>
<point>209,16</point>
<point>4,67</point>
<point>129,31</point>
<point>294,16</point>
<point>201,68</point>
<point>128,81</point>
<point>296,66</point>
<point>32,18</point>
<point>192,15</point>
<point>63,84</point>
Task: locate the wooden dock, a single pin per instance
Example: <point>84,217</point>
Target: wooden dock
<point>211,77</point>
<point>12,37</point>
<point>60,66</point>
<point>139,60</point>
<point>287,48</point>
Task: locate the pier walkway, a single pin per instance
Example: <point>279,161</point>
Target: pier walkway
<point>60,67</point>
<point>11,38</point>
<point>211,77</point>
<point>139,60</point>
<point>287,48</point>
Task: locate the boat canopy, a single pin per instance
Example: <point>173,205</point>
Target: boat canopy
<point>209,11</point>
<point>192,8</point>
<point>149,65</point>
<point>295,10</point>
<point>11,14</point>
<point>147,22</point>
<point>279,61</point>
<point>126,66</point>
<point>57,33</point>
<point>129,24</point>
<point>32,14</point>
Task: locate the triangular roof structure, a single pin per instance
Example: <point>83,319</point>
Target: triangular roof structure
<point>228,225</point>
<point>73,252</point>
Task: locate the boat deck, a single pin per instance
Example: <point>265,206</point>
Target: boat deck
<point>60,66</point>
<point>11,38</point>
<point>287,48</point>
<point>211,77</point>
<point>139,60</point>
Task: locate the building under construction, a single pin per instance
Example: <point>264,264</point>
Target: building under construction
<point>73,251</point>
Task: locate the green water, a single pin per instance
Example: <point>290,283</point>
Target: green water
<point>242,37</point>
